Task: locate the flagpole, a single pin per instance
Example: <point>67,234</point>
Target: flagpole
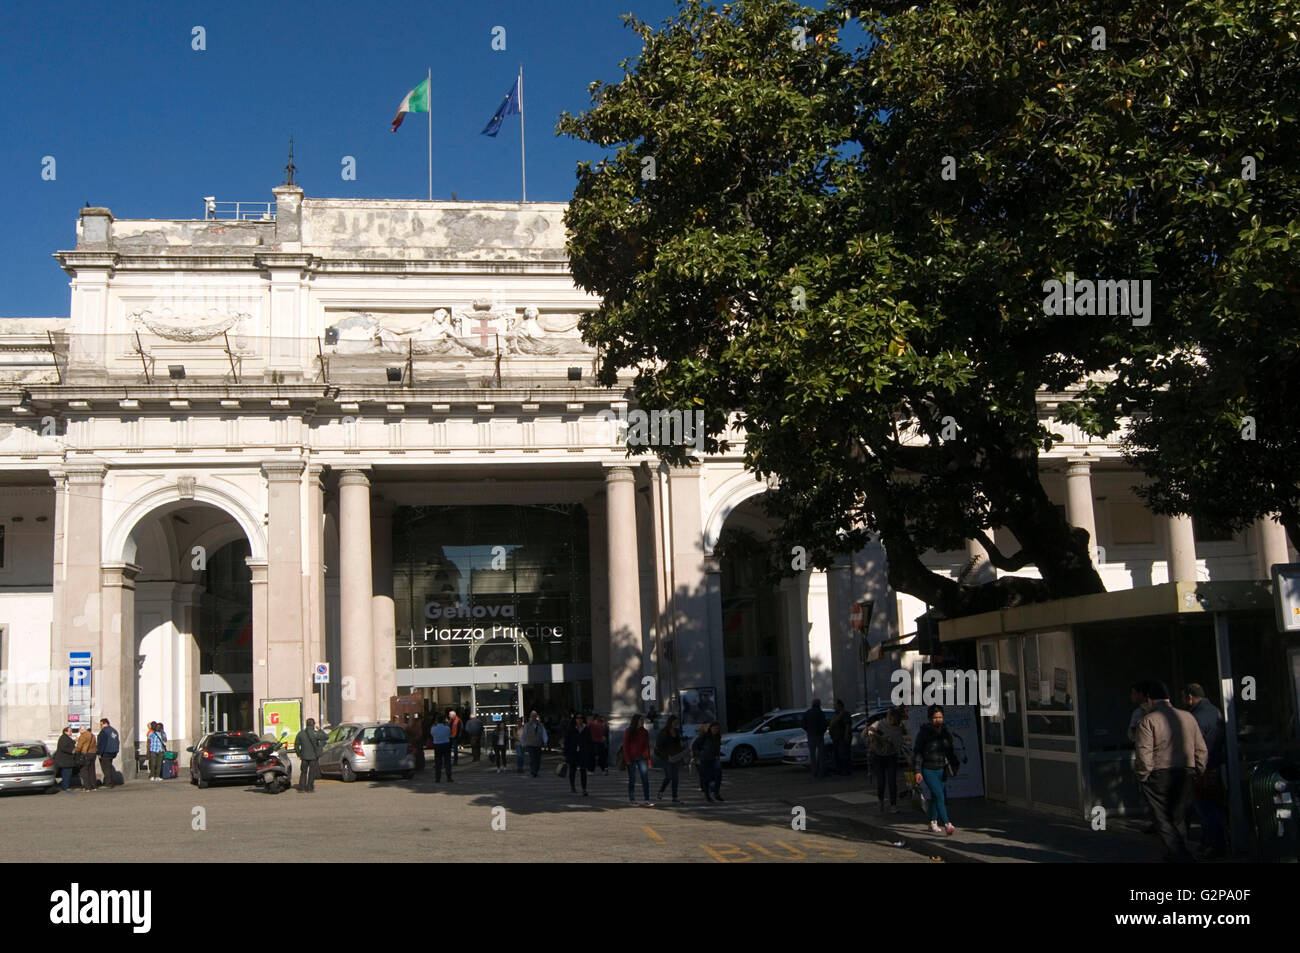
<point>523,170</point>
<point>429,96</point>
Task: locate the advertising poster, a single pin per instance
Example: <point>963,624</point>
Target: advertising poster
<point>699,707</point>
<point>963,722</point>
<point>282,720</point>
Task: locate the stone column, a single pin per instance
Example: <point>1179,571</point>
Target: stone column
<point>713,604</point>
<point>314,582</point>
<point>356,612</point>
<point>1272,546</point>
<point>56,717</point>
<point>81,614</point>
<point>598,544</point>
<point>1078,501</point>
<point>116,670</point>
<point>258,571</point>
<point>688,596</point>
<point>383,614</point>
<point>1182,549</point>
<point>846,680</point>
<point>795,594</point>
<point>817,613</point>
<point>983,570</point>
<point>285,620</point>
<point>625,635</point>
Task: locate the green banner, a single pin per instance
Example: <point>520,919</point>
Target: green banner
<point>282,720</point>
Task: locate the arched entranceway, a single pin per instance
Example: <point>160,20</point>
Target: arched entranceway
<point>192,620</point>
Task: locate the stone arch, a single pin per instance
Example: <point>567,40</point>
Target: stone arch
<point>730,495</point>
<point>230,501</point>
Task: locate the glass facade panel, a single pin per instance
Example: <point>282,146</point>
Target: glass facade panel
<point>486,586</point>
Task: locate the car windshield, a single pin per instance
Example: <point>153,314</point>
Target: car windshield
<point>385,733</point>
<point>21,752</point>
<point>751,725</point>
<point>231,742</point>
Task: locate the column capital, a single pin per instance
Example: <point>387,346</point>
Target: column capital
<point>258,567</point>
<point>1079,466</point>
<point>316,470</point>
<point>355,476</point>
<point>119,574</point>
<point>85,472</point>
<point>619,474</point>
<point>283,471</point>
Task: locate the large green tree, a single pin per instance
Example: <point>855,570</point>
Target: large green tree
<point>848,247</point>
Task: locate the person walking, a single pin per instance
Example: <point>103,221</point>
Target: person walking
<point>1137,696</point>
<point>474,735</point>
<point>887,741</point>
<point>534,737</point>
<point>599,743</point>
<point>517,734</point>
<point>814,725</point>
<point>500,740</point>
<point>442,745</point>
<point>577,752</point>
<point>841,731</point>
<point>109,745</point>
<point>935,754</point>
<point>636,755</point>
<point>707,748</point>
<point>65,758</point>
<point>85,751</point>
<point>1208,792</point>
<point>155,744</point>
<point>309,745</point>
<point>457,735</point>
<point>1170,754</point>
<point>670,749</point>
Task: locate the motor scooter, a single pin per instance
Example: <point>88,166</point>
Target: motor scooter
<point>274,771</point>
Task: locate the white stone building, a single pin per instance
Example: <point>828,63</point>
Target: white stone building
<point>367,433</point>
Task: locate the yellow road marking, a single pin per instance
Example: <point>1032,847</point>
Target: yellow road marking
<point>650,832</point>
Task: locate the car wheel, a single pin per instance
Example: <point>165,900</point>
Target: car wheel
<point>744,757</point>
<point>346,772</point>
<point>201,783</point>
<point>52,789</point>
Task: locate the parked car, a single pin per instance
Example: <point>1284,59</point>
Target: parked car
<point>223,756</point>
<point>371,748</point>
<point>27,766</point>
<point>764,738</point>
<point>796,749</point>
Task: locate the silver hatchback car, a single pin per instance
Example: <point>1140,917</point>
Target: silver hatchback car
<point>355,749</point>
<point>26,765</point>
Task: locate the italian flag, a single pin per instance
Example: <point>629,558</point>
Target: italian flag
<point>416,101</point>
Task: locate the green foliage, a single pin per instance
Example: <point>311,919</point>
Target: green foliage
<point>782,171</point>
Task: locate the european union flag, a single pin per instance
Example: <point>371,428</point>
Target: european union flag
<point>510,107</point>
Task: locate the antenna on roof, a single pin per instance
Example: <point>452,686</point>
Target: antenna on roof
<point>289,169</point>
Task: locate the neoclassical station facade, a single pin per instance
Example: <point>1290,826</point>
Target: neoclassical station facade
<point>367,433</point>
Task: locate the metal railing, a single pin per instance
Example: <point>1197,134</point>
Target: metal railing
<point>238,211</point>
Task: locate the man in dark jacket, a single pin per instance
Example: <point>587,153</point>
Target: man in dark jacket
<point>309,745</point>
<point>108,746</point>
<point>65,758</point>
<point>814,724</point>
<point>841,731</point>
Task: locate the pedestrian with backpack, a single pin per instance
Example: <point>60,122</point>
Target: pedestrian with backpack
<point>108,745</point>
<point>707,749</point>
<point>534,737</point>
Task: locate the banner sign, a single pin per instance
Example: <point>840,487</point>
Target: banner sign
<point>282,720</point>
<point>79,678</point>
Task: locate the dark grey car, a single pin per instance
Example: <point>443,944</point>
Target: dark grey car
<point>223,756</point>
<point>367,748</point>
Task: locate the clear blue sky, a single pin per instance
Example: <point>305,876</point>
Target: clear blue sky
<point>141,123</point>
